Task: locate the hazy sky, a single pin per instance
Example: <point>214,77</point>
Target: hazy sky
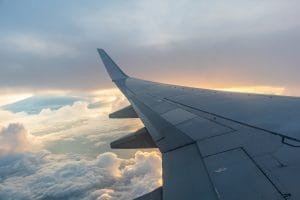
<point>52,44</point>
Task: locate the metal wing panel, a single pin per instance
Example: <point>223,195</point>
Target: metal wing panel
<point>276,114</point>
<point>154,195</point>
<point>166,135</point>
<point>232,168</point>
<point>206,137</point>
<point>185,175</point>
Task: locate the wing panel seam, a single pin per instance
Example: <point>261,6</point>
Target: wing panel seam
<point>242,123</point>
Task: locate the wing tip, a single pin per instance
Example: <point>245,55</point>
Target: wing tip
<point>100,50</point>
<point>112,68</point>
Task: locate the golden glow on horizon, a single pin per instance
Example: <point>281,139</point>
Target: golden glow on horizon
<point>255,89</point>
<point>232,87</point>
<point>109,95</point>
<point>160,182</point>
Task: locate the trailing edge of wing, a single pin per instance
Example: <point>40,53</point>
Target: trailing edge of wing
<point>154,195</point>
<point>140,139</point>
<point>112,68</point>
<point>127,112</point>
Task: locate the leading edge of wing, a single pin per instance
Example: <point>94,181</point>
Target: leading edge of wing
<point>112,68</point>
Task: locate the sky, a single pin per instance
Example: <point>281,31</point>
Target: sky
<point>51,45</point>
<point>55,94</point>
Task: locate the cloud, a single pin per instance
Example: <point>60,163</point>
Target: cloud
<point>80,118</point>
<point>160,24</point>
<point>49,176</point>
<point>77,128</point>
<point>7,98</point>
<point>15,138</point>
<point>35,45</point>
<point>60,153</point>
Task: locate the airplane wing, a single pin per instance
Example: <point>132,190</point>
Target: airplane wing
<point>214,144</point>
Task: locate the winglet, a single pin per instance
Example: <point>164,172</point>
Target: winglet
<point>112,68</point>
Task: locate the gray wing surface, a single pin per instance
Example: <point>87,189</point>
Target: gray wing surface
<point>216,145</point>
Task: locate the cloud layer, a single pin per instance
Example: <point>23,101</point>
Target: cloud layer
<point>15,138</point>
<point>63,153</point>
<point>47,176</point>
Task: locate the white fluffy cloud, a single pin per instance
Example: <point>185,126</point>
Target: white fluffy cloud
<point>47,176</point>
<point>76,120</point>
<point>15,138</point>
<point>33,167</point>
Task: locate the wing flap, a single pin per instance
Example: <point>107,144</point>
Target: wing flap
<point>140,139</point>
<point>185,175</point>
<point>236,165</point>
<point>127,112</point>
<point>154,195</point>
